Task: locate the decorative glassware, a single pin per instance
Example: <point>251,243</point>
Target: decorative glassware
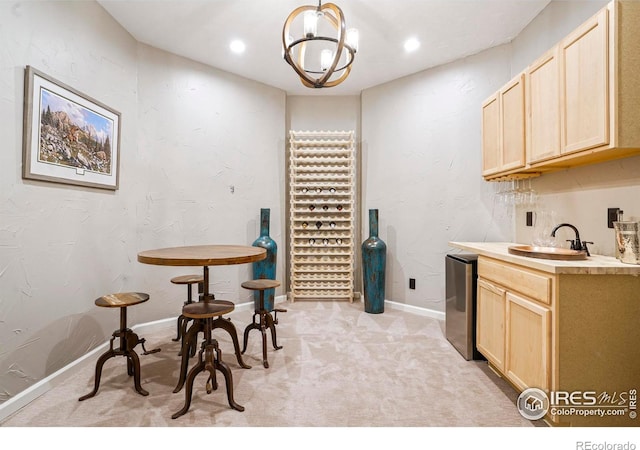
<point>265,268</point>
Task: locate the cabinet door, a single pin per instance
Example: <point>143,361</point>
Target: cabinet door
<point>512,117</point>
<point>490,322</point>
<point>543,108</point>
<point>528,343</point>
<point>491,136</point>
<point>585,85</point>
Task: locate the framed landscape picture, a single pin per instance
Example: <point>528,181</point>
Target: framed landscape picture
<point>68,136</point>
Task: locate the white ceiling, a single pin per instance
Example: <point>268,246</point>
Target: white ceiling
<point>202,30</point>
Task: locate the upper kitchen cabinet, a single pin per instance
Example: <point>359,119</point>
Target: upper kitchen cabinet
<point>582,96</point>
<point>584,63</point>
<point>503,135</point>
<point>543,108</point>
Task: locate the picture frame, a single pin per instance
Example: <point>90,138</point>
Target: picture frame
<point>68,137</point>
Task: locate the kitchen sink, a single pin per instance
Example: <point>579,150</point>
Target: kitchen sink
<point>547,252</point>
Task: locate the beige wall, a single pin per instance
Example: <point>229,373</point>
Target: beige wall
<point>421,169</point>
<point>189,133</point>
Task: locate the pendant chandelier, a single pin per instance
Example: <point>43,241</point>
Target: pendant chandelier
<point>320,60</point>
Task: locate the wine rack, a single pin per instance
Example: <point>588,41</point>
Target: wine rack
<point>321,214</point>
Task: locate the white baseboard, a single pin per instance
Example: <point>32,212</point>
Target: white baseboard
<point>25,397</point>
<point>415,310</point>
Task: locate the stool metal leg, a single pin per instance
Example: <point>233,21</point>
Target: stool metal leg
<point>189,341</point>
<point>128,341</point>
<point>212,361</point>
<point>266,321</point>
<point>103,358</point>
<point>230,328</point>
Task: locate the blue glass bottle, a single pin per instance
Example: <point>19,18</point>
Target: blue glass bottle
<point>265,269</point>
<point>374,260</point>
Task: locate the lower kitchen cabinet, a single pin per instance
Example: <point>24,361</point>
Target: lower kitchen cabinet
<point>490,323</point>
<point>514,334</point>
<point>528,343</point>
<point>570,330</point>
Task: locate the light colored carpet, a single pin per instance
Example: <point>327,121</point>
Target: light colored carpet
<point>340,367</point>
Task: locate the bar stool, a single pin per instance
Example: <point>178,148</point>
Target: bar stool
<point>204,312</point>
<point>189,280</point>
<point>190,338</point>
<point>128,339</point>
<point>266,320</point>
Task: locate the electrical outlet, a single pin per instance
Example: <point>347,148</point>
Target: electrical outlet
<point>529,218</point>
<point>612,216</point>
<point>412,283</point>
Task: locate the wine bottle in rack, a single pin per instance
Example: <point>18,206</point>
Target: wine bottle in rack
<point>319,224</point>
<point>339,207</point>
<point>312,207</point>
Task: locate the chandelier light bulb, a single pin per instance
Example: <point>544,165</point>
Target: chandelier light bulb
<point>310,24</point>
<point>326,58</point>
<point>352,38</point>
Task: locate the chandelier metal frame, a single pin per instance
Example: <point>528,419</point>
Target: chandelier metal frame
<point>333,14</point>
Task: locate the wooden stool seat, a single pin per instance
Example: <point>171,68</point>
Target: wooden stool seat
<point>205,310</point>
<point>260,285</point>
<point>210,355</point>
<point>128,339</point>
<point>266,319</point>
<point>121,300</point>
<point>189,280</point>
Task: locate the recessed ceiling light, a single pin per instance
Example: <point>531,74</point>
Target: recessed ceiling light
<point>411,44</point>
<point>237,46</point>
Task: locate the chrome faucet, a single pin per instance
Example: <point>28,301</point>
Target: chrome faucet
<point>576,244</point>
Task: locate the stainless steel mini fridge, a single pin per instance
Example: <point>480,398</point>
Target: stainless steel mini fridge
<point>460,313</point>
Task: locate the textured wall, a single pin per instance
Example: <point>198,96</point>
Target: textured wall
<point>189,133</point>
<point>212,149</point>
<point>421,169</point>
<point>61,246</point>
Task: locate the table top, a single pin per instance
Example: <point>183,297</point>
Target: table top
<point>203,255</point>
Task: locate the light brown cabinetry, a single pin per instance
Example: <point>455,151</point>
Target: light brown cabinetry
<point>513,328</point>
<point>542,83</point>
<point>503,124</point>
<point>562,332</point>
<point>584,57</point>
<point>491,136</point>
<point>528,343</point>
<point>490,318</point>
<point>581,96</point>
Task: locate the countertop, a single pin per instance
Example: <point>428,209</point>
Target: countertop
<point>593,265</point>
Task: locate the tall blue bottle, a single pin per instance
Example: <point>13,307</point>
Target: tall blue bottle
<point>374,261</point>
<point>265,269</point>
